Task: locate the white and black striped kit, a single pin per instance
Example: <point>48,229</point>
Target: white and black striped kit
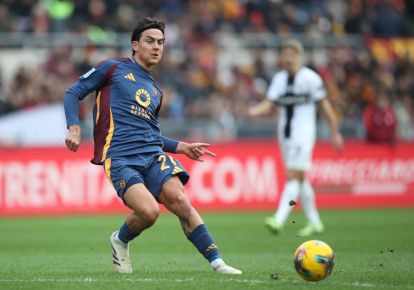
<point>296,97</point>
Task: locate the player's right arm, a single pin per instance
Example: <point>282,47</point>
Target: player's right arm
<point>261,109</point>
<point>86,84</point>
<point>73,138</point>
<point>266,106</point>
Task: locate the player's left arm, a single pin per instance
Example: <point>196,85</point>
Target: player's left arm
<point>192,150</point>
<point>195,150</point>
<point>318,94</point>
<point>170,145</point>
<point>336,137</point>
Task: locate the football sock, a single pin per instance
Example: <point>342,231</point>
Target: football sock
<point>290,192</point>
<point>125,235</point>
<point>307,196</point>
<point>203,241</point>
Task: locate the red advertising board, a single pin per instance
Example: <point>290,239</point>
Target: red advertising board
<point>243,176</point>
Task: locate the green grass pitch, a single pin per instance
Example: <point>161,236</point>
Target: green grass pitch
<point>374,249</point>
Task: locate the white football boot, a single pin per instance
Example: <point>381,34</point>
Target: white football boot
<point>120,254</point>
<point>221,267</point>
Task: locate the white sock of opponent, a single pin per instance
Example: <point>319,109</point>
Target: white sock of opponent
<point>307,196</point>
<point>290,192</point>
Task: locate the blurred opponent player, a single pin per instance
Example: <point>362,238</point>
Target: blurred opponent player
<point>129,145</point>
<point>295,91</point>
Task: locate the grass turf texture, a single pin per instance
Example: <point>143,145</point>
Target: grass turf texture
<point>373,248</point>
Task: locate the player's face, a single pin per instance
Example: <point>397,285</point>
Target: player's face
<point>291,59</point>
<point>149,48</point>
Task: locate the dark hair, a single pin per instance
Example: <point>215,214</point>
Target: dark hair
<point>144,24</point>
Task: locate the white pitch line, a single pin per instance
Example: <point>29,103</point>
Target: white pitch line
<point>93,280</point>
<point>329,282</point>
<point>231,280</point>
<point>354,284</point>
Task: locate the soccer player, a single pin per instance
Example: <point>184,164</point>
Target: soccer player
<point>296,91</point>
<point>129,145</point>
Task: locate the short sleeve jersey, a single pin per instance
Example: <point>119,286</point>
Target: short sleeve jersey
<point>296,96</point>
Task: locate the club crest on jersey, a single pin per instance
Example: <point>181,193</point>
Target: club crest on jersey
<point>86,75</point>
<point>155,91</point>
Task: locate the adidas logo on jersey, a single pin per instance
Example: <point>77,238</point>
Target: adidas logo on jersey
<point>130,76</point>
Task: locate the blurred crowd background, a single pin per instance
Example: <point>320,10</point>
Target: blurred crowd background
<point>219,59</point>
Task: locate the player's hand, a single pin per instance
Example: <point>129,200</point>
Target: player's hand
<point>337,141</point>
<point>73,138</point>
<point>253,112</point>
<point>263,108</point>
<point>257,111</point>
<point>194,150</point>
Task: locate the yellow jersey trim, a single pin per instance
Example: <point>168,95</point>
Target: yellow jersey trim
<point>109,136</point>
<point>98,106</point>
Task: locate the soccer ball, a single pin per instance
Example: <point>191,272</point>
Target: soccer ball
<point>314,260</point>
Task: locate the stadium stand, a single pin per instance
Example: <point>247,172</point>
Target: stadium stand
<point>220,58</point>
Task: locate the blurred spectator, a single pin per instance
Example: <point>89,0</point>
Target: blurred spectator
<point>5,17</point>
<point>60,11</point>
<point>404,111</point>
<point>223,127</point>
<point>389,19</point>
<point>378,17</point>
<point>380,120</point>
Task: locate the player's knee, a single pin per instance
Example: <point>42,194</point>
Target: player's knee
<point>149,215</point>
<point>295,175</point>
<point>182,205</point>
<point>178,203</point>
<point>178,199</point>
